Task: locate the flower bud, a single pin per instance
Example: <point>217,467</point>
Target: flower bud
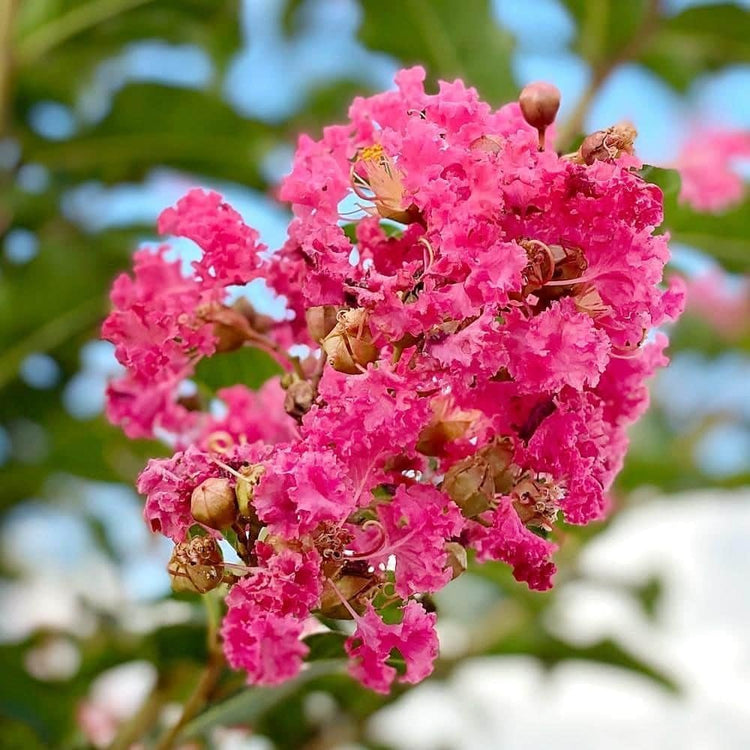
<point>456,558</point>
<point>196,566</point>
<point>213,503</point>
<point>470,485</point>
<point>321,320</point>
<point>539,104</point>
<point>448,423</point>
<point>245,488</point>
<point>499,458</point>
<point>299,398</point>
<point>350,587</point>
<point>607,145</point>
<point>349,346</point>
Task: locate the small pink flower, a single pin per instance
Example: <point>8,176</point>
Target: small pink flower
<point>706,164</point>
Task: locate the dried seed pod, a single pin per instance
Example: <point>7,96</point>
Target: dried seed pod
<point>196,566</point>
<point>352,588</point>
<point>539,104</point>
<point>299,398</point>
<point>349,346</point>
<point>213,503</point>
<point>321,320</point>
<point>607,145</point>
<point>537,500</point>
<point>499,458</point>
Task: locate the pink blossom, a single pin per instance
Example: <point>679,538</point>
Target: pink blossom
<point>266,615</point>
<point>706,164</point>
<point>507,539</point>
<point>417,523</point>
<point>723,302</point>
<point>483,344</point>
<point>371,645</point>
<point>302,489</point>
<point>231,253</point>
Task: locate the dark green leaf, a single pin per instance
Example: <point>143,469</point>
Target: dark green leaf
<point>450,39</point>
<point>698,41</point>
<point>251,367</point>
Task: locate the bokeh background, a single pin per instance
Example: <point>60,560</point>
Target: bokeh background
<point>109,111</point>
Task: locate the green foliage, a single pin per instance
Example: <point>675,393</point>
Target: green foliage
<point>451,40</point>
<point>677,48</point>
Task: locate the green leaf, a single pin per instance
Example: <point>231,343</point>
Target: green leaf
<point>249,705</point>
<point>724,236</point>
<point>49,30</point>
<point>698,41</point>
<point>153,125</point>
<point>251,367</point>
<point>667,179</point>
<point>450,39</point>
<point>605,27</point>
<point>325,646</point>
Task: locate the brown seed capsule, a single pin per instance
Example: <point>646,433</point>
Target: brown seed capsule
<point>537,500</point>
<point>607,145</point>
<point>349,346</point>
<point>299,398</point>
<point>214,503</point>
<point>539,104</point>
<point>196,566</point>
<point>321,320</point>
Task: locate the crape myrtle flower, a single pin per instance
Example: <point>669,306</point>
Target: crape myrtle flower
<point>479,329</point>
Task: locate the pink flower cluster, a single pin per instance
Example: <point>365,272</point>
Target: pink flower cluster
<point>707,164</point>
<point>477,315</point>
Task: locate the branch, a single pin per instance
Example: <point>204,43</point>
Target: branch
<point>201,695</point>
<point>602,72</point>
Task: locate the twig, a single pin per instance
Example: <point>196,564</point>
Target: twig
<point>602,72</point>
<point>207,683</point>
<point>141,722</point>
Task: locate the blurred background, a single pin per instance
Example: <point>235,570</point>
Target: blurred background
<point>109,111</point>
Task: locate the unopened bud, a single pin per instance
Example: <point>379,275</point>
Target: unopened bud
<point>196,566</point>
<point>448,423</point>
<point>607,145</point>
<point>213,503</point>
<point>321,320</point>
<point>539,104</point>
<point>499,458</point>
<point>349,346</point>
<point>245,488</point>
<point>470,485</point>
<point>351,588</point>
<point>456,559</point>
<point>299,398</point>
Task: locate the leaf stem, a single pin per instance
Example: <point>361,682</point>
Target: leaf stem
<point>39,42</point>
